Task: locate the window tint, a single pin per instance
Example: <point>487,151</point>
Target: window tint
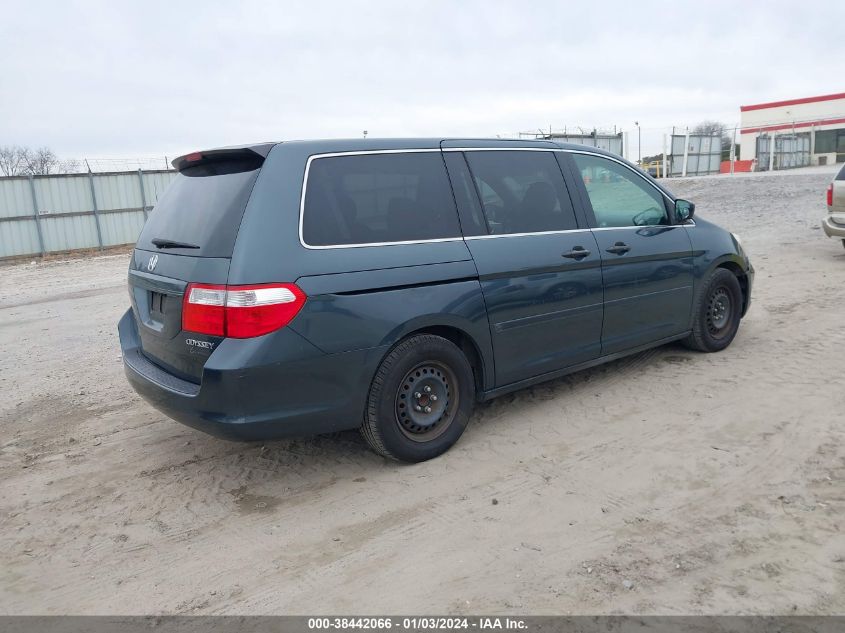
<point>376,198</point>
<point>619,196</point>
<point>204,206</point>
<point>521,192</point>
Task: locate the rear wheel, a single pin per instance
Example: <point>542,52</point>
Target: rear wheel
<point>420,400</point>
<point>716,312</point>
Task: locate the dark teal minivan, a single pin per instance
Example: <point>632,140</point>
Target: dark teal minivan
<point>313,286</point>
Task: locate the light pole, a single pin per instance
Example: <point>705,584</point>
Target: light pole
<point>639,144</point>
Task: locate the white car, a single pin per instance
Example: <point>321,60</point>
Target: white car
<point>834,223</point>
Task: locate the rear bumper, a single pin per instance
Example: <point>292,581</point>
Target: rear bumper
<point>834,229</point>
<point>269,387</point>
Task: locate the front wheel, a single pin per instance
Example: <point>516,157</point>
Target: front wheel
<point>716,312</point>
<point>420,399</point>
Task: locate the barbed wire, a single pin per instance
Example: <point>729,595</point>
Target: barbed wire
<point>145,163</point>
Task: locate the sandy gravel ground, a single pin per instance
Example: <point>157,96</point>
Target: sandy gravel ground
<point>668,482</point>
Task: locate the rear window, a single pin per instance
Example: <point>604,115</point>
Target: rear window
<point>202,207</point>
<point>376,198</point>
<point>841,175</point>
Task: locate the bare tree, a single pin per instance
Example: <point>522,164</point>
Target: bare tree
<point>23,161</point>
<point>712,128</point>
<point>41,161</point>
<point>11,160</point>
<point>70,166</point>
<point>708,128</point>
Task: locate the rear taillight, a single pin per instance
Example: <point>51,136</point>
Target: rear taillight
<point>240,311</point>
<point>204,309</point>
<point>830,195</point>
<point>257,310</point>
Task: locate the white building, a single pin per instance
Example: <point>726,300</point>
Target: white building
<point>821,119</point>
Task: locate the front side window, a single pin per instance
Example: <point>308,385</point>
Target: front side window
<point>376,198</point>
<point>521,191</point>
<point>619,197</point>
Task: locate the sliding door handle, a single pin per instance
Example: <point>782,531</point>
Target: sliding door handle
<point>620,248</point>
<point>577,252</point>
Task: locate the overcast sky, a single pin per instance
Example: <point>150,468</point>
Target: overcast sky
<point>153,78</point>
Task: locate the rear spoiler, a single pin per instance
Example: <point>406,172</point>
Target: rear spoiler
<point>255,153</point>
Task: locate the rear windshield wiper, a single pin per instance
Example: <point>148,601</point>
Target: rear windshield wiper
<point>163,243</point>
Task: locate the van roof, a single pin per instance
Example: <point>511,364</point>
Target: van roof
<point>364,144</point>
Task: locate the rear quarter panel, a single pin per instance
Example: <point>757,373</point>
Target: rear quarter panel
<point>338,319</point>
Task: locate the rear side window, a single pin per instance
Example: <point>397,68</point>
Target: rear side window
<point>521,192</point>
<point>377,198</point>
<point>841,175</point>
<point>203,207</point>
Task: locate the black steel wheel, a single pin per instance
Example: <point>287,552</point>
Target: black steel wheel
<point>427,401</point>
<point>420,399</point>
<point>717,311</point>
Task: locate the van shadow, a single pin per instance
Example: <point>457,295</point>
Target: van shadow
<point>666,360</point>
<point>345,455</point>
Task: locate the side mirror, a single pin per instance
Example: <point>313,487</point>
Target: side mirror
<point>684,210</point>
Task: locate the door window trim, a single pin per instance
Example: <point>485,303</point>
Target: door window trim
<point>500,235</point>
<point>460,238</point>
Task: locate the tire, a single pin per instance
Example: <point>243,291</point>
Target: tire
<point>424,371</point>
<point>716,312</point>
<point>843,242</point>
